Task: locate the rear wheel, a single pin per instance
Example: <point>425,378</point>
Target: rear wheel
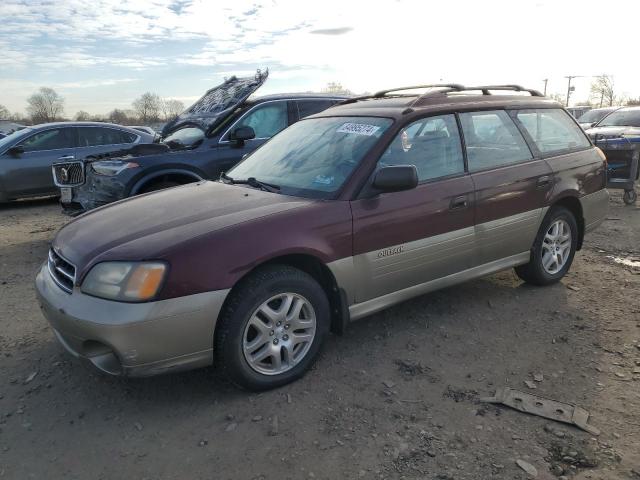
<point>553,249</point>
<point>272,328</point>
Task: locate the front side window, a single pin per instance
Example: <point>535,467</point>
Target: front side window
<point>625,117</point>
<point>54,139</point>
<point>314,157</point>
<point>431,144</point>
<point>266,120</point>
<point>552,130</point>
<point>492,140</point>
<point>96,136</point>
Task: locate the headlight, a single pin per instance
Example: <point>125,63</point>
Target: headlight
<point>110,168</point>
<point>125,281</point>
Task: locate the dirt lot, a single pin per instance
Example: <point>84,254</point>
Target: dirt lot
<point>396,397</point>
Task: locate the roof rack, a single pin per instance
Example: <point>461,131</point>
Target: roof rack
<point>444,88</point>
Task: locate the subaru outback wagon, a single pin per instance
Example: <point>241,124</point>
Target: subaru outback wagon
<point>341,215</point>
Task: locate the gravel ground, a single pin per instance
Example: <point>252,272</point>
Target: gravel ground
<point>396,397</point>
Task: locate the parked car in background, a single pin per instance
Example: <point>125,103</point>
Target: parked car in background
<point>339,216</point>
<point>592,117</point>
<point>148,130</point>
<point>208,138</point>
<point>577,112</point>
<point>618,135</point>
<point>27,155</point>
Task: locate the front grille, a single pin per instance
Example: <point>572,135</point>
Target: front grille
<point>68,174</point>
<point>62,272</point>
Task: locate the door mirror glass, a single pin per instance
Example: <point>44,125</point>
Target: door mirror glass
<point>396,178</point>
<point>16,151</point>
<point>241,134</point>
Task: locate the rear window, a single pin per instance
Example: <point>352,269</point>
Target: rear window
<point>492,140</point>
<point>552,130</point>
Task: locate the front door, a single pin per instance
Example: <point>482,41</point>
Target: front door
<point>511,187</point>
<point>30,172</point>
<point>402,239</point>
<point>266,119</point>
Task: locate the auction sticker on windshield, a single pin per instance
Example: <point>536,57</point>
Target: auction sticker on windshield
<point>358,129</point>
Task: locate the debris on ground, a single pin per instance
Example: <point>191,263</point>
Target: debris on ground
<point>543,407</point>
<point>527,467</point>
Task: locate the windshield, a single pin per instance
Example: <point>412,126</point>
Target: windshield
<point>627,118</point>
<point>593,116</point>
<point>189,137</point>
<point>313,158</point>
<point>10,139</point>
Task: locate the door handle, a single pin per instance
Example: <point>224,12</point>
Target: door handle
<point>458,203</point>
<point>67,157</point>
<point>544,181</point>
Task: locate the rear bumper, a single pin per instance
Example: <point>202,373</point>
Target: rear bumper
<point>595,208</point>
<point>132,339</point>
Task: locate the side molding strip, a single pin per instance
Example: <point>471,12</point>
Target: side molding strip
<point>374,305</point>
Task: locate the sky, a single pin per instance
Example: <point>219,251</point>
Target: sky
<point>102,54</point>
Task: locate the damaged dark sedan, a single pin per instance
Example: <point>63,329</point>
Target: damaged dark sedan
<point>207,139</point>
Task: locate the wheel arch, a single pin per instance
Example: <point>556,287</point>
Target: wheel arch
<point>177,173</point>
<point>318,270</point>
<point>572,203</point>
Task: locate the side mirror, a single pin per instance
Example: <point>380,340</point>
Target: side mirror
<point>15,151</point>
<point>241,134</point>
<point>396,178</point>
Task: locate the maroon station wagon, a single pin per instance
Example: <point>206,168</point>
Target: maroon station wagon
<point>345,213</point>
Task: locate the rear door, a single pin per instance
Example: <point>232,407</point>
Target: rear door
<point>511,186</point>
<point>95,140</point>
<point>407,238</point>
<point>30,173</point>
<point>266,119</point>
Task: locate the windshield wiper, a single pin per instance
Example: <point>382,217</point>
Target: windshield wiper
<point>252,182</point>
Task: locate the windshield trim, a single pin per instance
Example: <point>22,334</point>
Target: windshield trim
<point>10,143</point>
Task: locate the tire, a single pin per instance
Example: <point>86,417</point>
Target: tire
<point>245,332</point>
<point>154,187</point>
<point>629,197</point>
<point>535,271</point>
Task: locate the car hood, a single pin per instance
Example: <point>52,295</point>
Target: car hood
<point>147,226</point>
<point>606,132</point>
<point>215,105</point>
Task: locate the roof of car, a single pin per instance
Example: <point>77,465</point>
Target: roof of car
<point>396,107</point>
<point>77,124</point>
<point>292,96</point>
<point>440,97</point>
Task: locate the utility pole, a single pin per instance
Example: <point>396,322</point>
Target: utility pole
<point>569,78</point>
<point>546,80</point>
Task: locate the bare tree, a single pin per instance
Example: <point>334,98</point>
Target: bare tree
<point>602,91</point>
<point>336,88</point>
<point>45,106</point>
<point>118,116</point>
<point>633,102</point>
<point>4,113</point>
<point>83,116</point>
<point>171,109</point>
<point>148,107</point>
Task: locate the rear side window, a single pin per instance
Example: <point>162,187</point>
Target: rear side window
<point>96,136</point>
<point>311,107</point>
<point>492,140</point>
<point>552,130</point>
<point>432,144</point>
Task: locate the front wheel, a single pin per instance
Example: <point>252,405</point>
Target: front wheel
<point>272,328</point>
<point>553,249</point>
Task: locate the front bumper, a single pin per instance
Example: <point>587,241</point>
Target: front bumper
<point>132,339</point>
<point>95,192</point>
